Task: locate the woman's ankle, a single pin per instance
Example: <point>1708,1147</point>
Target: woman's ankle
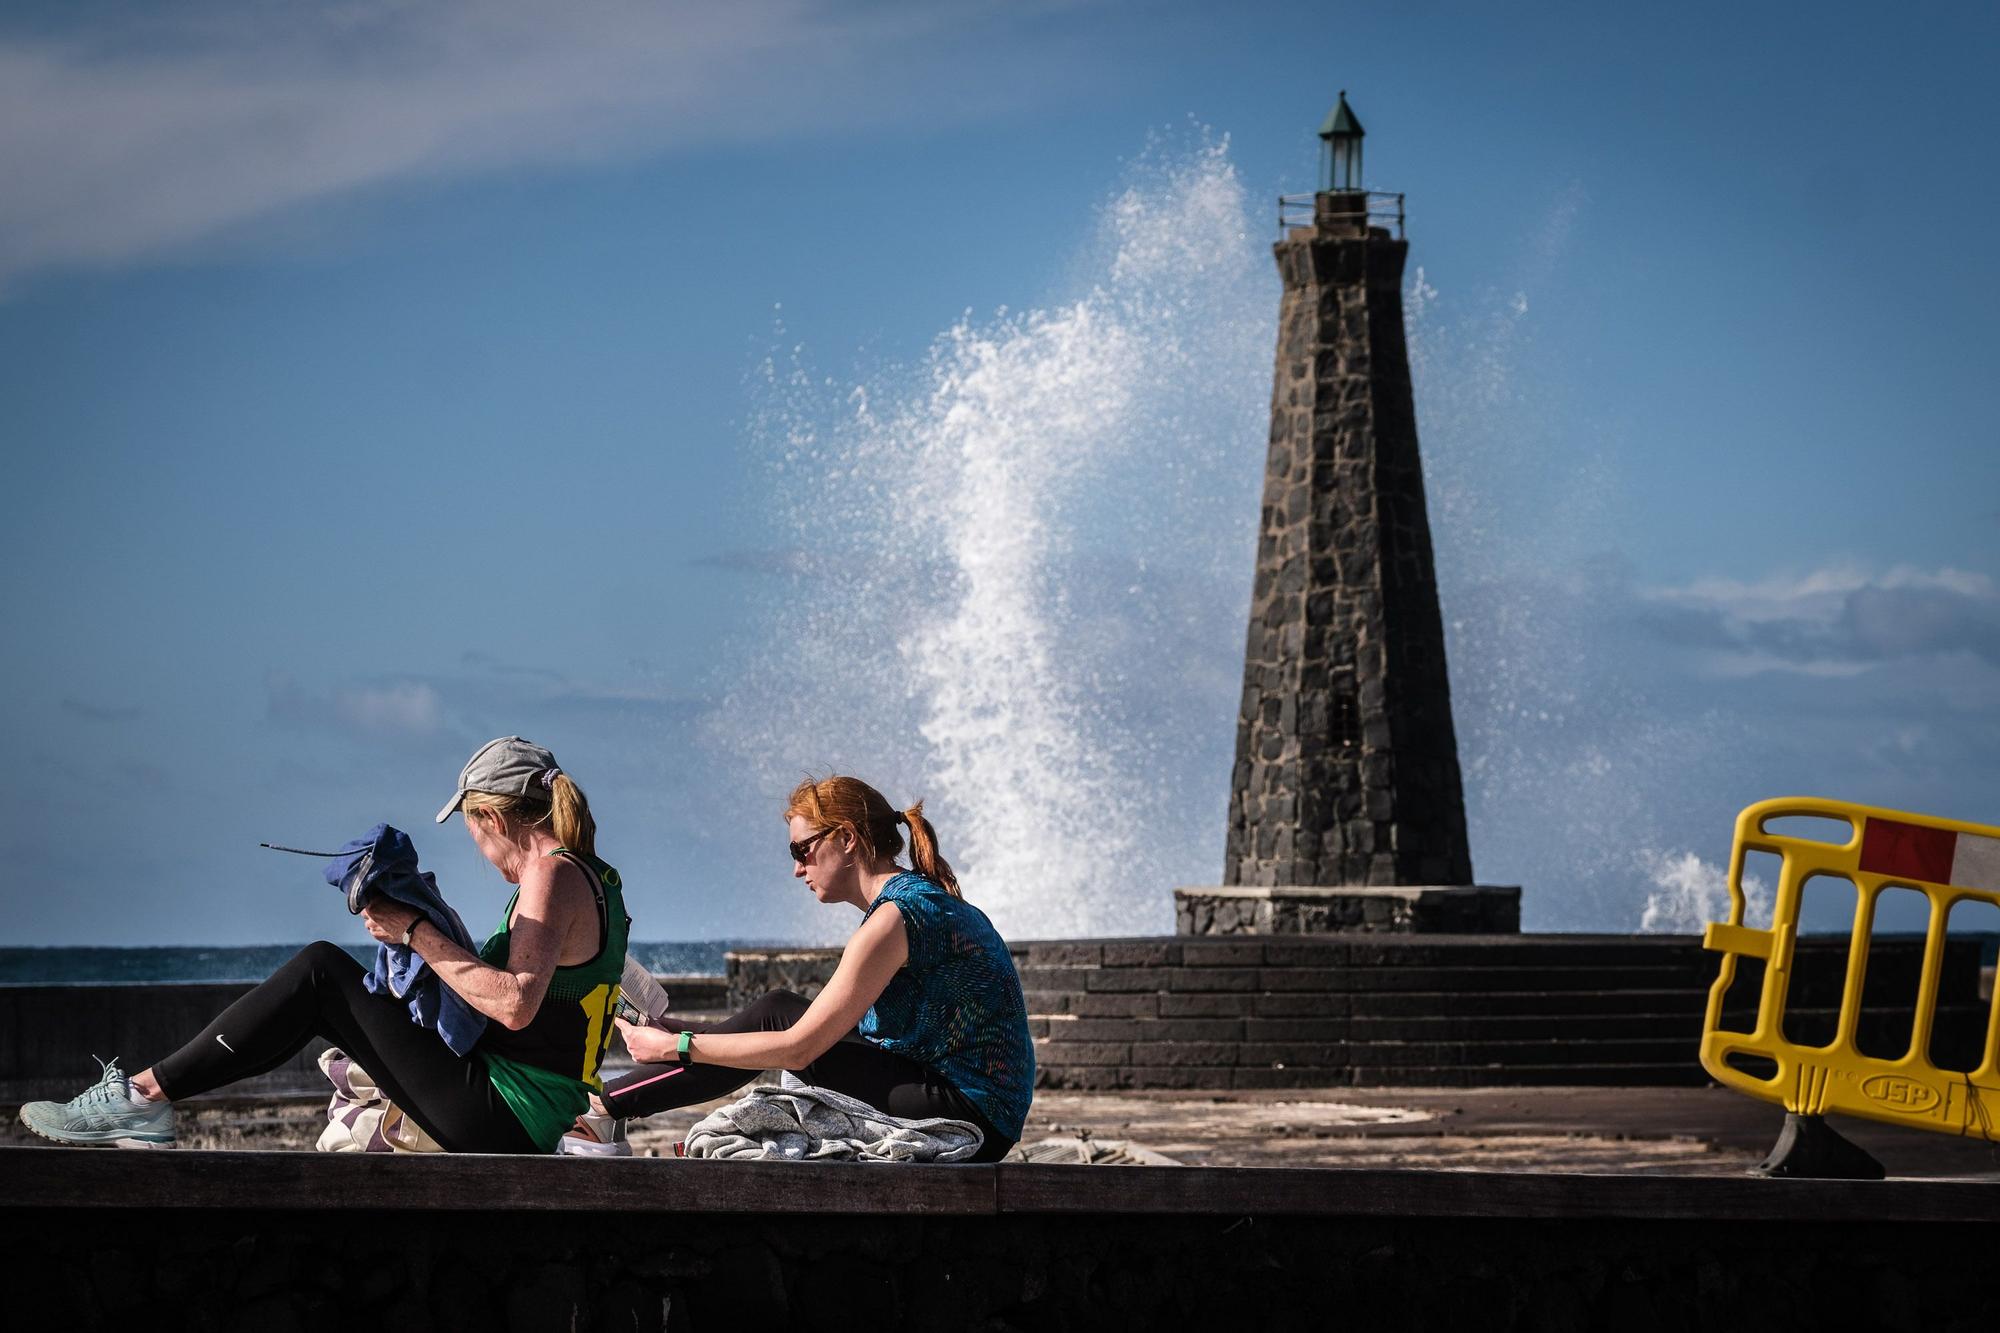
<point>147,1086</point>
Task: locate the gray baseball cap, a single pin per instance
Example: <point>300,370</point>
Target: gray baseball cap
<point>509,766</point>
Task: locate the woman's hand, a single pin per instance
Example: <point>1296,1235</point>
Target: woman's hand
<point>648,1045</point>
<point>387,919</point>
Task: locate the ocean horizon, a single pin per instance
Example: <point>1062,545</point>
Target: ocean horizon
<point>44,965</point>
<point>47,965</point>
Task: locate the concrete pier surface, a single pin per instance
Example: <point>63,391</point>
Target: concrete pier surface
<point>1643,1131</point>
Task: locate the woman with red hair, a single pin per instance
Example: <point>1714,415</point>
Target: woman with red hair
<point>923,1017</point>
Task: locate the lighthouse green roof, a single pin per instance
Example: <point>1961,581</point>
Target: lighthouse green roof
<point>1341,120</point>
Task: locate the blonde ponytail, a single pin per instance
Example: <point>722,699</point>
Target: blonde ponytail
<point>569,817</point>
<point>564,810</point>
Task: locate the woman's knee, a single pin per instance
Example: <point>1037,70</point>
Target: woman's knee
<point>322,953</point>
<point>319,959</point>
<point>776,1009</point>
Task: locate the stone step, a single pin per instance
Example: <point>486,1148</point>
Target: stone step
<point>1336,1055</point>
<point>1061,1031</point>
<point>1639,1001</point>
<point>1194,1079</point>
<point>1195,980</point>
<point>1431,950</point>
<point>1355,950</point>
<point>1552,1005</point>
<point>1658,1075</point>
<point>1472,989</point>
<point>1876,1031</point>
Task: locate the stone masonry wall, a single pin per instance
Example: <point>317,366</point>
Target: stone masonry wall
<point>1346,761</point>
<point>1389,1010</point>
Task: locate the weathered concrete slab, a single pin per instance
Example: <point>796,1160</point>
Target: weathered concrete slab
<point>40,1178</point>
<point>107,1239</point>
<point>525,1270</point>
<point>100,1239</point>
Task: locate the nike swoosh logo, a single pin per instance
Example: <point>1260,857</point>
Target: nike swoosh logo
<point>225,1045</point>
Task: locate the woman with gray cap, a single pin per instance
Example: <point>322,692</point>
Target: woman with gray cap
<point>547,979</point>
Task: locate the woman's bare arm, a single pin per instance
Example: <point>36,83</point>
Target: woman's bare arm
<point>871,958</point>
<point>553,895</point>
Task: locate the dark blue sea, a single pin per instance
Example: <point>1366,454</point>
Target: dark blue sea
<point>22,967</point>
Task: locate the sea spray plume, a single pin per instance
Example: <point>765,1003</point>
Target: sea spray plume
<point>1012,418</point>
<point>1015,600</point>
<point>1688,893</point>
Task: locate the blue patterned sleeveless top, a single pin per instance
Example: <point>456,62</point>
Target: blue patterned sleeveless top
<point>955,1007</point>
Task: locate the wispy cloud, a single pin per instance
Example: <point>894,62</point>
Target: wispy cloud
<point>491,697</point>
<point>1832,622</point>
<point>391,708</point>
<point>97,712</point>
<point>778,560</point>
<point>116,142</point>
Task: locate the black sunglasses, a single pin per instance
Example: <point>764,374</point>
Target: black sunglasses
<point>801,850</point>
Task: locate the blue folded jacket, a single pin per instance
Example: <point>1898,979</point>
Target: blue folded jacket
<point>383,861</point>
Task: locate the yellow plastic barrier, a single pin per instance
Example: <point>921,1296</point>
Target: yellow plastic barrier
<point>1948,862</point>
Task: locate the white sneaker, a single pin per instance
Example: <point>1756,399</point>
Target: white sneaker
<point>595,1136</point>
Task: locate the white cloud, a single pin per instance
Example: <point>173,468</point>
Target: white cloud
<point>1817,595</point>
<point>117,143</point>
<point>398,708</point>
<point>408,707</point>
<point>1838,621</point>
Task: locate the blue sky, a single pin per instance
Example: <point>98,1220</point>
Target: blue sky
<point>377,378</point>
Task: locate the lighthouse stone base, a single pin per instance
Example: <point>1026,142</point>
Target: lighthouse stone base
<point>1422,909</point>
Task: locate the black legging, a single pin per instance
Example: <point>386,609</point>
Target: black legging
<point>319,994</point>
<point>864,1071</point>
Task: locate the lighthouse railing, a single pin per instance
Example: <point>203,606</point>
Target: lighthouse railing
<point>1380,207</point>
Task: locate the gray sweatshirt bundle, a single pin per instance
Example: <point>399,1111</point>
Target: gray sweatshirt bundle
<point>807,1124</point>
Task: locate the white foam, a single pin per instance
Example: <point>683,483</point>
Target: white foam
<point>997,542</point>
<point>1688,893</point>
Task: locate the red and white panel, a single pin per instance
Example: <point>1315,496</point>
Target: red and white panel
<point>1933,855</point>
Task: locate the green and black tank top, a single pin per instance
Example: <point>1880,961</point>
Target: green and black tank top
<point>547,1070</point>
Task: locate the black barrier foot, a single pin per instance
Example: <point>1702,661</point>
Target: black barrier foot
<point>1810,1149</point>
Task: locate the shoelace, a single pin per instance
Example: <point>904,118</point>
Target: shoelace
<point>99,1093</point>
<point>89,1102</point>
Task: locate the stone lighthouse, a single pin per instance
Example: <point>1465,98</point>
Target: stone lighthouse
<point>1345,809</point>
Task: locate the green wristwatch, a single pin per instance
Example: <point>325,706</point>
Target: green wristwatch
<point>681,1051</point>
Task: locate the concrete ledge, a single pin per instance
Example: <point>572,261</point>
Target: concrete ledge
<point>37,1178</point>
<point>113,1240</point>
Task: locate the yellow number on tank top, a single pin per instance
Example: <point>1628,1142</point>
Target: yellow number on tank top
<point>597,1007</point>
